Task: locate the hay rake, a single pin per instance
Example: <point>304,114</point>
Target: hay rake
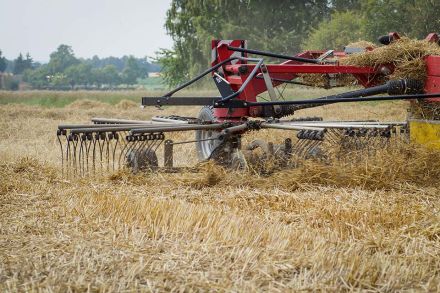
<point>109,144</point>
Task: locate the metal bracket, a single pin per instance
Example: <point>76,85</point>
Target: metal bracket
<point>270,88</point>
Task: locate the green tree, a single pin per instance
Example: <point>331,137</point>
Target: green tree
<point>278,26</point>
<point>3,63</point>
<point>110,75</point>
<point>342,29</point>
<point>414,18</point>
<point>344,5</point>
<point>132,71</point>
<point>19,64</point>
<point>61,59</point>
<point>38,78</point>
<point>58,80</point>
<point>28,62</point>
<point>174,70</point>
<point>78,74</point>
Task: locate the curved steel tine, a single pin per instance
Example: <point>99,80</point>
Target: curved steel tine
<point>159,142</point>
<point>107,142</point>
<point>94,153</point>
<point>62,155</point>
<point>299,147</point>
<point>304,147</point>
<point>101,147</point>
<point>130,148</point>
<point>114,150</point>
<point>126,145</point>
<point>141,145</point>
<point>81,157</point>
<point>68,157</point>
<point>88,145</point>
<point>75,144</point>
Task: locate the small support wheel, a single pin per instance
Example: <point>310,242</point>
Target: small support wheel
<point>205,145</point>
<point>142,160</point>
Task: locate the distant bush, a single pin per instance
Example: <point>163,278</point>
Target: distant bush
<point>10,83</point>
<point>342,29</point>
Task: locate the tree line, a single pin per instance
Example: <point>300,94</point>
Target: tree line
<point>64,70</point>
<point>286,27</point>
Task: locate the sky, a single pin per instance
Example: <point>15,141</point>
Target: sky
<point>92,27</point>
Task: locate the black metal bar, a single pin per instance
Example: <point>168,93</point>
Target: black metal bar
<point>209,70</point>
<point>97,126</point>
<point>168,154</point>
<point>150,101</point>
<point>193,141</point>
<point>118,128</point>
<point>179,128</point>
<point>391,87</point>
<point>97,120</point>
<point>179,101</point>
<point>245,83</point>
<point>169,94</point>
<point>339,100</point>
<point>269,54</point>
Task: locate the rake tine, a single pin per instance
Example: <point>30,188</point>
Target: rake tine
<point>116,138</point>
<point>301,145</point>
<point>305,148</point>
<point>332,136</point>
<point>68,158</point>
<point>94,154</point>
<point>59,133</point>
<point>314,144</point>
<point>131,146</point>
<point>126,145</point>
<point>74,143</point>
<point>88,145</point>
<point>108,152</point>
<point>159,142</point>
<point>81,156</point>
<point>101,148</point>
<point>141,145</point>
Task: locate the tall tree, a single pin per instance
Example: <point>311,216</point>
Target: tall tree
<point>61,59</point>
<point>110,75</point>
<point>337,32</point>
<point>278,26</point>
<point>3,63</point>
<point>132,71</point>
<point>19,64</point>
<point>415,18</point>
<point>79,74</point>
<point>38,78</point>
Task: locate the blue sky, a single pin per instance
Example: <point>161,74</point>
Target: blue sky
<point>91,27</point>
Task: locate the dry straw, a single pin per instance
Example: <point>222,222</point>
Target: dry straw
<point>407,55</point>
<point>364,223</point>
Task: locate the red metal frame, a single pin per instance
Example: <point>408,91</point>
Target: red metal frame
<point>237,72</point>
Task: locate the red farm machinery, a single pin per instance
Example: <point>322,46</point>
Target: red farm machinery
<point>225,119</point>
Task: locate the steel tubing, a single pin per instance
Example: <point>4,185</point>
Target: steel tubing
<point>179,127</point>
<point>290,127</point>
<point>342,125</point>
<point>114,128</point>
<point>120,121</point>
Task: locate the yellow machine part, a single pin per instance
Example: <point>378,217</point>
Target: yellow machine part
<point>426,132</point>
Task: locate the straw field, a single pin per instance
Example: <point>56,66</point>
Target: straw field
<point>372,226</point>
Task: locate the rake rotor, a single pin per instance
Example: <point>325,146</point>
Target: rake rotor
<point>224,123</point>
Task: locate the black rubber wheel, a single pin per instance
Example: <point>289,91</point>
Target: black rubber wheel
<point>206,147</point>
<point>142,160</point>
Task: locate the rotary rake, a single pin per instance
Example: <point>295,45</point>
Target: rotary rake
<point>223,121</point>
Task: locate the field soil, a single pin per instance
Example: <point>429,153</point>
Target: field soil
<point>373,226</point>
